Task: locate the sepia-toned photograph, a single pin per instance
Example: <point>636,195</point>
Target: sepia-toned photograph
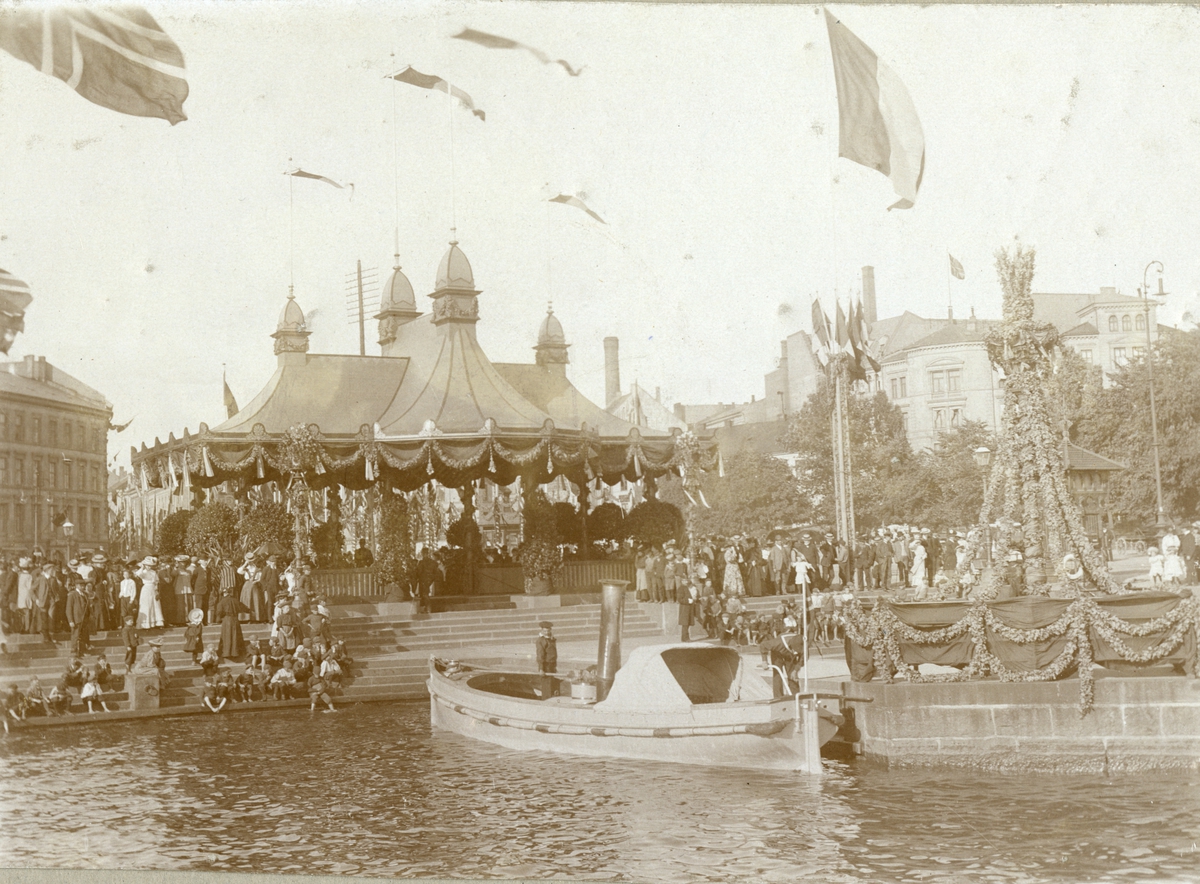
<point>645,442</point>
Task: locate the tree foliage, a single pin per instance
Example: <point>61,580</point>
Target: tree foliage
<point>464,533</point>
<point>757,493</point>
<point>654,522</point>
<point>172,533</point>
<point>879,456</point>
<point>568,523</point>
<point>1118,426</point>
<point>943,486</point>
<point>394,562</point>
<point>606,522</point>
<point>268,524</point>
<point>329,539</point>
<point>212,531</point>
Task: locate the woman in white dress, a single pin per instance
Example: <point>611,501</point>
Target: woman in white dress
<point>733,584</point>
<point>149,607</point>
<point>919,555</point>
<point>1174,568</point>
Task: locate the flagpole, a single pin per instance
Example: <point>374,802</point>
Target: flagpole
<point>453,204</point>
<point>395,167</point>
<point>949,290</point>
<point>291,235</point>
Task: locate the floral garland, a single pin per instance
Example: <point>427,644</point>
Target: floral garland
<point>882,631</point>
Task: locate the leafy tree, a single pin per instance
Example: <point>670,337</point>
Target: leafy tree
<point>394,563</point>
<point>757,493</point>
<point>172,533</point>
<point>212,531</point>
<point>464,532</point>
<point>266,523</point>
<point>879,456</point>
<point>1119,428</point>
<point>329,538</point>
<point>606,522</point>
<point>944,486</point>
<point>568,523</point>
<point>655,522</point>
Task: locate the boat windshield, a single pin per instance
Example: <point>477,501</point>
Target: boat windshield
<point>677,677</point>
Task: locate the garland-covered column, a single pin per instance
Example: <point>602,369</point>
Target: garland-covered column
<point>1029,474</point>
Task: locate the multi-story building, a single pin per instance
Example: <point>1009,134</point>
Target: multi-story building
<point>53,459</point>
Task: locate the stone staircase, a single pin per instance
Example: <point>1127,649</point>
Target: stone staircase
<point>390,652</point>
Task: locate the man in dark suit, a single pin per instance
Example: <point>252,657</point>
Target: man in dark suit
<point>79,615</point>
<point>43,601</point>
<point>825,555</point>
<point>427,575</point>
<point>780,560</point>
<point>546,649</point>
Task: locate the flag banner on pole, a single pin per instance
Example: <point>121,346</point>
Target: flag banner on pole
<point>231,406</point>
<point>858,329</point>
<point>843,332</point>
<point>300,173</point>
<point>575,201</point>
<point>878,125</point>
<point>820,324</point>
<point>114,56</point>
<point>493,41</point>
<point>956,269</point>
<point>429,81</point>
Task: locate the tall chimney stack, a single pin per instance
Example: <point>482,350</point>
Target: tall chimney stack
<point>868,301</point>
<point>612,372</point>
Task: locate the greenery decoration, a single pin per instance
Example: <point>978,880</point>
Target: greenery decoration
<point>267,524</point>
<point>394,562</point>
<point>212,531</point>
<point>172,533</point>
<point>607,522</point>
<point>654,522</point>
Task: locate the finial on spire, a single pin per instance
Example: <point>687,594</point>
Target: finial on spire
<point>454,236</point>
<point>550,306</point>
<point>291,292</point>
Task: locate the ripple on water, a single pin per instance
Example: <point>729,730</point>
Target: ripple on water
<point>369,792</point>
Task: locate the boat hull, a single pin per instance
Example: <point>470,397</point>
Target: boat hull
<point>763,735</point>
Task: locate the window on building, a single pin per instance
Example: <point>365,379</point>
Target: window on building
<point>68,438</point>
<point>899,388</point>
<point>1139,322</point>
<point>3,470</point>
<point>904,421</point>
<point>52,429</point>
<point>1086,355</point>
<point>937,383</point>
<point>3,426</point>
<point>96,529</point>
<point>1113,323</point>
<point>956,417</point>
<point>19,513</point>
<point>1139,352</point>
<point>1119,357</point>
<point>954,380</point>
<point>52,475</point>
<point>19,472</point>
<point>37,430</point>
<point>1126,323</point>
<point>19,427</point>
<point>939,419</point>
<point>39,477</point>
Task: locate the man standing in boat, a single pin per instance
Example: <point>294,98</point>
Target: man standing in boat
<point>547,657</point>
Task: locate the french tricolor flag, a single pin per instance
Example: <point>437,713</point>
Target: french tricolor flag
<point>878,124</point>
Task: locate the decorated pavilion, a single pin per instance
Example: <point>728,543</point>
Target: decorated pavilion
<point>431,408</point>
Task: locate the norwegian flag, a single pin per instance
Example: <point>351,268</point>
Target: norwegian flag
<point>114,56</point>
<point>413,77</point>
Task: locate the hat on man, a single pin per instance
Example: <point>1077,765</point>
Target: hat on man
<point>25,563</point>
<point>99,559</point>
<point>149,562</point>
<point>181,558</point>
<point>545,624</point>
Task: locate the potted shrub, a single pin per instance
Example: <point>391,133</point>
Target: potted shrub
<point>583,686</point>
<point>541,561</point>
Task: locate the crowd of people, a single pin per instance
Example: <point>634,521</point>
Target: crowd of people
<point>90,596</point>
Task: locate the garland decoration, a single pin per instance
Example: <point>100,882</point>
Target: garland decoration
<point>881,631</point>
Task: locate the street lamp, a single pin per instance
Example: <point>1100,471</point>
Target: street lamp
<point>1160,519</point>
<point>68,530</point>
<point>983,457</point>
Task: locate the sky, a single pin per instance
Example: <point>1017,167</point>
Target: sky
<point>704,135</point>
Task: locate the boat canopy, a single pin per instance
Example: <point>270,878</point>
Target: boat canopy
<point>673,678</point>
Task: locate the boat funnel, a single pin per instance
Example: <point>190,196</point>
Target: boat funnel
<point>612,617</point>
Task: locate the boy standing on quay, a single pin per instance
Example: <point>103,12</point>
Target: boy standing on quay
<point>130,638</point>
<point>547,656</point>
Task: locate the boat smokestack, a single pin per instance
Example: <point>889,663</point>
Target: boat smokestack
<point>612,372</point>
<point>612,617</point>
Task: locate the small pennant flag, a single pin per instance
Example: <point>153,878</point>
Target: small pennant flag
<point>575,201</point>
<point>114,56</point>
<point>878,125</point>
<point>429,81</point>
<point>843,332</point>
<point>956,269</point>
<point>121,428</point>
<point>231,406</point>
<point>820,323</point>
<point>300,173</point>
<point>492,41</point>
<point>858,326</point>
<point>14,298</point>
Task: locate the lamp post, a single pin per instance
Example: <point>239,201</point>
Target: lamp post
<point>68,530</point>
<point>983,457</point>
<point>1160,519</point>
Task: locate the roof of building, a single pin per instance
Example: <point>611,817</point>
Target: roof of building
<point>291,317</point>
<point>967,332</point>
<point>61,388</point>
<point>455,270</point>
<point>1084,329</point>
<point>1081,459</point>
<point>551,331</point>
<point>642,410</point>
<point>559,398</point>
<point>899,332</point>
<point>337,393</point>
<point>762,438</point>
<point>398,292</point>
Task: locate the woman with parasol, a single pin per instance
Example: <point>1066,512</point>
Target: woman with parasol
<point>232,645</point>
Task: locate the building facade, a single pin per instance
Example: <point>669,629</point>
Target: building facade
<point>53,459</point>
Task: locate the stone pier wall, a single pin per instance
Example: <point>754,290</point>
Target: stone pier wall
<point>1136,724</point>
